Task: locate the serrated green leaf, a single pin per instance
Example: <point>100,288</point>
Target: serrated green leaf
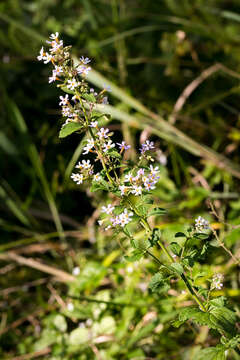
<point>89,97</point>
<point>157,211</point>
<point>212,353</point>
<point>156,235</point>
<point>135,255</point>
<point>177,267</point>
<point>224,319</point>
<point>69,128</point>
<point>175,248</point>
<point>195,314</point>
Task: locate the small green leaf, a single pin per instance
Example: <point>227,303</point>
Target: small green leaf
<point>135,255</point>
<point>114,154</point>
<point>69,128</point>
<point>89,97</point>
<point>201,236</point>
<point>176,248</point>
<point>156,235</point>
<point>177,267</point>
<point>79,336</point>
<point>60,323</point>
<point>157,211</point>
<point>179,234</point>
<point>158,283</point>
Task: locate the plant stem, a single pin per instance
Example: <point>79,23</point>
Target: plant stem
<point>191,290</point>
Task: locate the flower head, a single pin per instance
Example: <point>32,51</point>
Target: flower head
<point>108,209</point>
<point>148,145</point>
<point>84,60</point>
<point>123,146</point>
<point>77,178</point>
<point>107,146</point>
<point>217,282</point>
<point>89,146</point>
<point>103,133</point>
<point>64,100</point>
<point>85,164</point>
<point>72,84</point>
<point>201,224</point>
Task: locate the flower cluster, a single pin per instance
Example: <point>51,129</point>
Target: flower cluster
<point>217,282</point>
<point>136,184</point>
<point>116,220</point>
<point>201,224</point>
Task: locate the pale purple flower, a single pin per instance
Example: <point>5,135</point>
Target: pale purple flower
<point>84,60</point>
<point>108,209</point>
<point>123,146</point>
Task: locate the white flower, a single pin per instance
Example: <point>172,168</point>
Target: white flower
<point>42,54</point>
<point>54,36</point>
<point>52,78</point>
<point>123,189</point>
<point>97,177</point>
<point>136,190</point>
<point>83,70</point>
<point>84,165</point>
<point>66,111</point>
<point>78,178</point>
<point>102,133</point>
<point>93,124</point>
<point>201,224</point>
<point>128,178</point>
<point>70,306</point>
<point>55,46</point>
<point>64,100</point>
<point>47,58</point>
<point>72,84</point>
<point>108,209</point>
<point>217,282</point>
<point>57,70</point>
<point>76,271</point>
<point>89,146</point>
<point>125,218</point>
<point>154,171</point>
<point>107,146</point>
<point>115,220</point>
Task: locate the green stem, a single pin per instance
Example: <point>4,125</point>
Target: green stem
<point>183,277</point>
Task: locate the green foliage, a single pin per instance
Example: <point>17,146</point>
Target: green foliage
<point>69,128</point>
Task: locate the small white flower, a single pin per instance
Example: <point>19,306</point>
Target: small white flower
<point>125,218</point>
<point>97,177</point>
<point>217,282</point>
<point>128,178</point>
<point>136,190</point>
<point>107,228</point>
<point>89,146</point>
<point>108,209</point>
<point>83,70</point>
<point>66,111</point>
<point>70,306</point>
<point>149,185</point>
<point>64,100</point>
<point>47,58</point>
<point>57,70</point>
<point>76,271</point>
<point>107,146</point>
<point>123,189</point>
<point>154,171</point>
<point>52,78</point>
<point>77,178</point>
<point>55,46</point>
<point>72,84</point>
<point>102,133</point>
<point>42,54</point>
<point>84,165</point>
<point>54,36</point>
<point>93,124</point>
<point>201,224</point>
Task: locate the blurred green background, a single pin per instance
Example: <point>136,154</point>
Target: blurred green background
<point>174,70</point>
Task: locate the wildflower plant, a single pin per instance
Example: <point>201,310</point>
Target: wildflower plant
<point>132,201</point>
